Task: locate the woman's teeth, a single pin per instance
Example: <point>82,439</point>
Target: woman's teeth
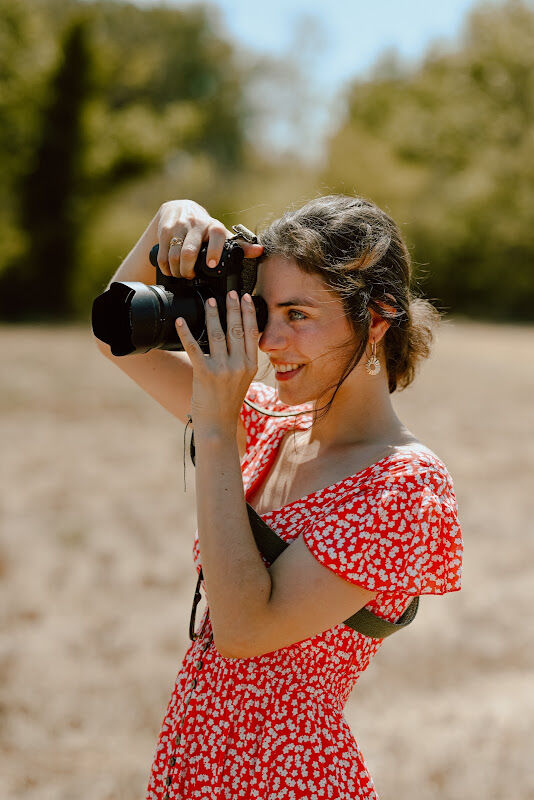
<point>287,367</point>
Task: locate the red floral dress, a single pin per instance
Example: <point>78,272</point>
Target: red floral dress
<point>272,726</point>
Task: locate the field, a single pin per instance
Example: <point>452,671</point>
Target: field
<point>97,577</point>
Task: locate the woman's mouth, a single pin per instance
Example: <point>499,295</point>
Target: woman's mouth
<point>287,371</point>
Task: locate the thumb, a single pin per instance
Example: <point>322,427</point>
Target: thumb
<point>251,250</point>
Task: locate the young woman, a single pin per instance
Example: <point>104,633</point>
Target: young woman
<point>368,511</point>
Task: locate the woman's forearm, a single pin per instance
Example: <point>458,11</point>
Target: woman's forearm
<point>238,584</point>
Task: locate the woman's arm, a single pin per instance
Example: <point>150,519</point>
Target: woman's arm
<point>167,375</point>
<point>238,584</point>
<point>256,609</point>
<point>253,609</point>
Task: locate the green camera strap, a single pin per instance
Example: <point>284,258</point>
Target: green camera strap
<point>271,545</point>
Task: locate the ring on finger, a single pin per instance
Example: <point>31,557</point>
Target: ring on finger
<point>176,241</point>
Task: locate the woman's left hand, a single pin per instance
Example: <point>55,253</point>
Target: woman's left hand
<point>221,380</point>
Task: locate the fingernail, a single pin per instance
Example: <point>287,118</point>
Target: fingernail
<point>179,322</point>
<point>212,263</point>
<point>212,301</point>
<point>233,294</point>
<point>247,297</point>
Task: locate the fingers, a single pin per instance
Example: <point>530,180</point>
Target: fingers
<point>239,344</point>
<point>182,245</point>
<point>235,332</point>
<point>189,343</point>
<point>184,227</point>
<point>218,235</point>
<point>189,251</point>
<point>167,255</point>
<point>175,248</point>
<point>251,250</point>
<point>232,343</point>
<point>216,335</point>
<point>241,330</point>
<point>251,332</point>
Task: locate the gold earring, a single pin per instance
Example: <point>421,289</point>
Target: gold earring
<point>373,364</point>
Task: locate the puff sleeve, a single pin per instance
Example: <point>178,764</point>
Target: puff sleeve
<point>392,537</point>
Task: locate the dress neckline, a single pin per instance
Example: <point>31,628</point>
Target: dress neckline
<point>354,477</point>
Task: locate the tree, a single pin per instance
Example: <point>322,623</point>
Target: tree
<point>449,147</point>
<point>49,190</point>
<point>26,52</point>
<point>132,92</point>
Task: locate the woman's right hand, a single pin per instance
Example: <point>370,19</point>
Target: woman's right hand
<point>191,225</point>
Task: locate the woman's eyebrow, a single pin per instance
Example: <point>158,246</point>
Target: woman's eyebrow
<point>298,301</point>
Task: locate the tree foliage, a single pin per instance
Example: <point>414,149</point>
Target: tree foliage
<point>122,93</point>
<point>108,109</point>
<point>49,212</point>
<point>449,148</point>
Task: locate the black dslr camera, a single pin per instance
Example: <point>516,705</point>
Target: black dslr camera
<point>134,318</point>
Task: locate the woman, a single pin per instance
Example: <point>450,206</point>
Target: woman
<point>369,512</point>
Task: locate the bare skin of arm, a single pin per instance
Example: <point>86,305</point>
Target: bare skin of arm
<point>167,375</point>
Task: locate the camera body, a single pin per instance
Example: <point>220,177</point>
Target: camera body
<point>134,318</point>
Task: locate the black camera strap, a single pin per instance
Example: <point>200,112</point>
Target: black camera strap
<point>271,545</point>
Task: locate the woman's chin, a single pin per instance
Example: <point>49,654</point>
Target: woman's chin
<point>292,397</point>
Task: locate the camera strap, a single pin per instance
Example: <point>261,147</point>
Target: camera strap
<point>271,545</point>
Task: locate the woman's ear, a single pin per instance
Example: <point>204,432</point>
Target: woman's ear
<point>385,306</point>
<point>379,325</point>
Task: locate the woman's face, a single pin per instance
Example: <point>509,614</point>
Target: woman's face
<point>306,323</point>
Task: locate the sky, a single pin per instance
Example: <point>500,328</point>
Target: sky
<point>336,40</point>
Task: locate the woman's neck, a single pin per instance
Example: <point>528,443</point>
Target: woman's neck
<point>361,414</point>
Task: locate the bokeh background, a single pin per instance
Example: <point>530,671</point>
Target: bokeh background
<point>107,109</point>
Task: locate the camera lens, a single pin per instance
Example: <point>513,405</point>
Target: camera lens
<point>133,317</point>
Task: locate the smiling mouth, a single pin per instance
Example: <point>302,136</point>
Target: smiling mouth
<point>288,372</point>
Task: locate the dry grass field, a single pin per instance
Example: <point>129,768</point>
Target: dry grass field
<point>97,578</point>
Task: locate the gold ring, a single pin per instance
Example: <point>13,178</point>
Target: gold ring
<point>175,240</point>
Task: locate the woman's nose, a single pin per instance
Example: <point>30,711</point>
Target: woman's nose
<point>273,337</point>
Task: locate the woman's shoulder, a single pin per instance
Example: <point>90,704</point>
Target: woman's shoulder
<point>413,467</point>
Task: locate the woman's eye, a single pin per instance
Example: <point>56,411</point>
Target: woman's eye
<point>294,311</point>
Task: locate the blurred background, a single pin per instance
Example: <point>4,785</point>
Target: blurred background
<point>107,109</point>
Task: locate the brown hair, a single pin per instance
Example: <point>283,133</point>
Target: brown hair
<point>358,251</point>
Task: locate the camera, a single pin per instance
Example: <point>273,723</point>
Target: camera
<point>134,318</point>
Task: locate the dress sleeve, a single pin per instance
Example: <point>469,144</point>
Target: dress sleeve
<point>392,539</point>
<point>254,421</point>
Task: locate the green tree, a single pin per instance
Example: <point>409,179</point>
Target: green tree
<point>134,92</point>
<point>49,191</point>
<point>26,52</point>
<point>449,148</point>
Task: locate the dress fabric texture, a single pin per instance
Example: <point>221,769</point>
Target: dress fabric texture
<point>272,726</point>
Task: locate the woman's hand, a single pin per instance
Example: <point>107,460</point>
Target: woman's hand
<point>221,380</point>
<point>188,225</point>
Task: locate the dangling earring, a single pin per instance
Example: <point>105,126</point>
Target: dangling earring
<point>373,364</point>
